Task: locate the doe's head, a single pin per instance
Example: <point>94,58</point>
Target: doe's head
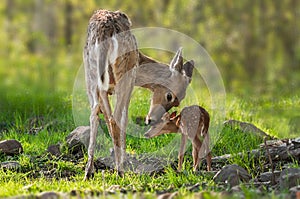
<point>172,90</point>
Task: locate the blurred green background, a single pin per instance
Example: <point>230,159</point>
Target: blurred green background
<point>255,44</point>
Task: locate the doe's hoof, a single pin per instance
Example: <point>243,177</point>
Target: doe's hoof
<point>121,174</point>
<point>89,171</point>
<point>88,175</point>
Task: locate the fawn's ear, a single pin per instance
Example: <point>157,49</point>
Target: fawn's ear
<point>166,116</point>
<point>178,120</point>
<point>177,61</point>
<point>173,115</point>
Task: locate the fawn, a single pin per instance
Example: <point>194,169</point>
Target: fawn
<point>192,123</point>
<point>114,65</point>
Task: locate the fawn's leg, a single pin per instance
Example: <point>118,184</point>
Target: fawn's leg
<point>208,156</point>
<point>181,151</point>
<point>208,161</point>
<point>196,149</point>
<point>205,152</point>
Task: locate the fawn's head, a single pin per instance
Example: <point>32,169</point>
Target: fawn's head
<point>173,90</point>
<point>169,123</point>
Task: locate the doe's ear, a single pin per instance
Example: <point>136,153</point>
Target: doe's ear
<point>188,68</point>
<point>177,61</point>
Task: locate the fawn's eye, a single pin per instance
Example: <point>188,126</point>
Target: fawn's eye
<point>169,97</point>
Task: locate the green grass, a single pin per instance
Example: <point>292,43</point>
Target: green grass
<point>18,112</point>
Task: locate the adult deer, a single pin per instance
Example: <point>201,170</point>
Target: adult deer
<point>113,65</point>
<point>192,123</point>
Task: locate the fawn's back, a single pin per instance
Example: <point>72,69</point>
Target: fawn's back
<point>194,120</point>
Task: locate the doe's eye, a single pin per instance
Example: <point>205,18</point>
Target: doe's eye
<point>169,97</point>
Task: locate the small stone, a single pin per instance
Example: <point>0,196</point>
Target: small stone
<point>22,197</point>
<point>289,178</point>
<point>295,192</point>
<point>113,188</point>
<point>74,193</point>
<point>28,187</point>
<point>124,191</point>
<point>167,195</point>
<point>11,147</point>
<point>236,188</point>
<point>54,150</point>
<point>267,176</point>
<point>49,195</point>
<point>232,175</point>
<point>10,165</point>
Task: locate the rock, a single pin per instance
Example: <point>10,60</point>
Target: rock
<point>232,175</point>
<point>143,164</point>
<point>23,196</point>
<point>246,127</point>
<point>295,192</point>
<point>29,187</point>
<point>236,188</point>
<point>78,139</point>
<point>289,178</point>
<point>74,193</point>
<point>10,165</point>
<point>167,195</point>
<point>104,163</point>
<point>285,150</point>
<point>54,150</point>
<point>267,176</point>
<point>49,195</point>
<point>11,147</point>
<point>296,142</point>
<point>113,189</point>
<point>212,194</point>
